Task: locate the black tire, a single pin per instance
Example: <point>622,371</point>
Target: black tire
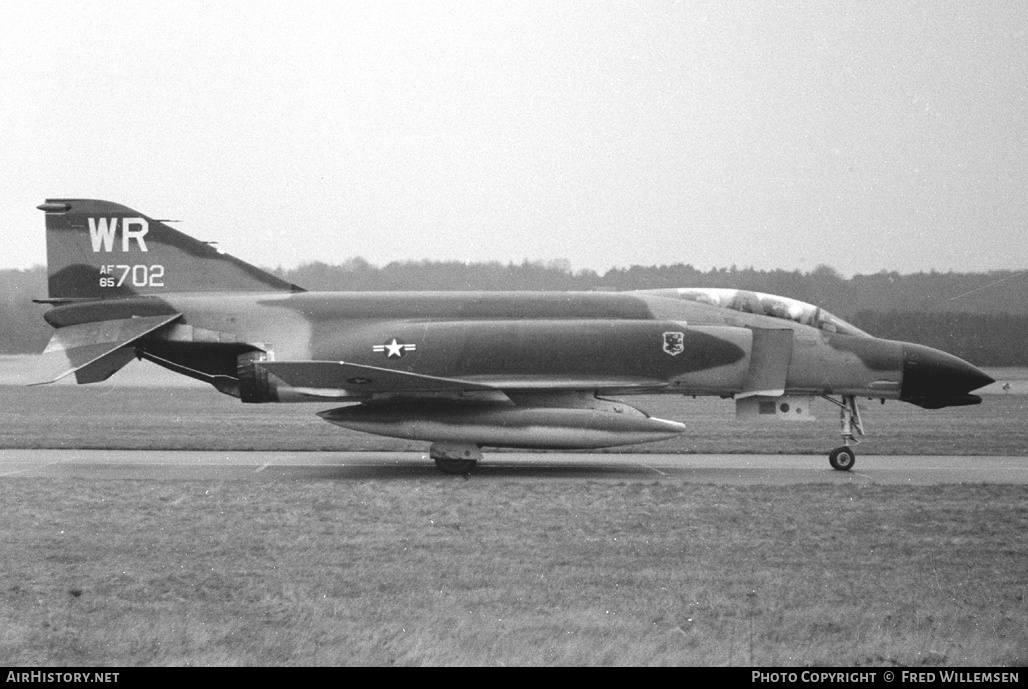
<point>460,467</point>
<point>842,458</point>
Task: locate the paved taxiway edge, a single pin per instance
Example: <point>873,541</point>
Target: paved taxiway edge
<point>718,469</point>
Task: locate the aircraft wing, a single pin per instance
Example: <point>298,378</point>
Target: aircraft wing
<point>528,382</point>
<point>361,378</point>
<point>95,351</point>
<point>340,375</point>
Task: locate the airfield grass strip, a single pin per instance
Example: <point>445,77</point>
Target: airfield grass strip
<point>510,572</point>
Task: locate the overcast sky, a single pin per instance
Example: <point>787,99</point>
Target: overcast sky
<point>863,135</point>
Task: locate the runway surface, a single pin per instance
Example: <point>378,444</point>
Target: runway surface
<point>313,466</point>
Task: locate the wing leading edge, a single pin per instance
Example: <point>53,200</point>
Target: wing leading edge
<point>361,378</point>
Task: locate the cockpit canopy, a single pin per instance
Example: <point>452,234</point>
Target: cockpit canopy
<point>764,305</point>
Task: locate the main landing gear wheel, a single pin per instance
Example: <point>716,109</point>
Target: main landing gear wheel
<point>455,458</point>
<point>842,458</point>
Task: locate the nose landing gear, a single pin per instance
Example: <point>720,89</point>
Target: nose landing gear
<point>843,458</point>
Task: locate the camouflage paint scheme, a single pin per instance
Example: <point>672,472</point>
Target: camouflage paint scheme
<point>123,285</point>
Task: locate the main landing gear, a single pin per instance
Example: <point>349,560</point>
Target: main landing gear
<point>455,458</point>
<point>843,458</point>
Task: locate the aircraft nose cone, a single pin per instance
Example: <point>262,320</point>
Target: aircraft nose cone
<point>933,379</point>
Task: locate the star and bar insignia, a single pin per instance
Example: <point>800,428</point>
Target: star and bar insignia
<point>394,348</point>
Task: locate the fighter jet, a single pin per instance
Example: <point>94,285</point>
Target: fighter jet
<point>461,370</point>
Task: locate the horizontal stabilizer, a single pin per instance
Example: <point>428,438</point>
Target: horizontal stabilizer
<point>95,351</point>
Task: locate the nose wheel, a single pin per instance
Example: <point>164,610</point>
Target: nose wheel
<point>843,458</point>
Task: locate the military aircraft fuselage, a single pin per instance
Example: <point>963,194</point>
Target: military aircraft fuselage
<point>613,341</point>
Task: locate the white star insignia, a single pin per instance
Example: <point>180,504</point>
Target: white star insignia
<point>394,348</point>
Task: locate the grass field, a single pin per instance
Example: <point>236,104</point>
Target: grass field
<point>511,571</point>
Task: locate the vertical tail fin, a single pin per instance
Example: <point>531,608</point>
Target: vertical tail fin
<point>98,249</point>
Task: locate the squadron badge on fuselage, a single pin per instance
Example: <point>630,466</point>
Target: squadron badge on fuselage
<point>674,343</point>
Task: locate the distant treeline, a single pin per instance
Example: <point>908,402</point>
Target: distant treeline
<point>982,317</point>
<point>993,292</point>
